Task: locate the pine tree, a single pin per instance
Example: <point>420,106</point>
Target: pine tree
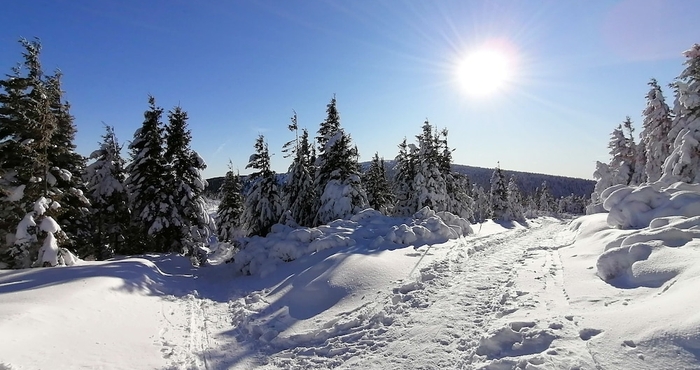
<point>230,211</point>
<point>188,213</point>
<point>605,179</point>
<point>299,197</point>
<point>150,187</point>
<point>656,127</point>
<point>263,206</point>
<point>377,184</point>
<point>499,197</point>
<point>105,180</point>
<point>337,177</point>
<point>683,163</point>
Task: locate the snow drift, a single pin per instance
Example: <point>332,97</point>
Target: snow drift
<point>367,229</point>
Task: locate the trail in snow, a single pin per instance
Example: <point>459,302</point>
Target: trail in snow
<point>491,302</point>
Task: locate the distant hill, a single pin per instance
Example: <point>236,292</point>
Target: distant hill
<point>560,186</point>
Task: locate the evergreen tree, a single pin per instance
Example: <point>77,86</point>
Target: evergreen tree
<point>150,187</point>
<point>105,179</point>
<point>429,184</point>
<point>683,163</point>
<point>191,221</point>
<point>546,200</point>
<point>482,207</point>
<point>404,176</point>
<point>263,206</point>
<point>27,126</point>
<point>337,177</point>
<point>457,186</point>
<point>230,211</point>
<point>605,179</point>
<point>499,209</point>
<point>377,184</point>
<point>656,127</point>
<point>515,201</point>
<point>329,126</point>
<point>299,196</point>
<point>66,169</point>
<point>622,150</point>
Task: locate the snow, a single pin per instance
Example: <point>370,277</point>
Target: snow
<point>428,291</point>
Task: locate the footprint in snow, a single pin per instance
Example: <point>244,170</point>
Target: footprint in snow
<point>588,333</point>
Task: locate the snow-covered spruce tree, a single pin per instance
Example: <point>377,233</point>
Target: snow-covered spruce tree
<point>105,178</point>
<point>458,186</point>
<point>66,169</point>
<point>459,191</point>
<point>149,184</point>
<point>377,185</point>
<point>515,200</point>
<point>230,211</point>
<point>604,176</point>
<point>654,136</point>
<point>299,197</point>
<point>683,163</point>
<point>481,204</point>
<point>499,207</point>
<point>430,185</point>
<point>191,221</point>
<point>337,178</point>
<point>27,127</point>
<point>546,202</point>
<point>406,202</point>
<point>622,149</point>
<point>263,204</point>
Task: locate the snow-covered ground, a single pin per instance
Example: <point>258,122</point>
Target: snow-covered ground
<point>504,297</point>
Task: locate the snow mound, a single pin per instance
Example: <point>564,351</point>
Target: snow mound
<point>653,256</point>
<point>637,207</point>
<point>369,229</point>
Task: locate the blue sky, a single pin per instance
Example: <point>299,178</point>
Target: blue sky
<point>240,67</point>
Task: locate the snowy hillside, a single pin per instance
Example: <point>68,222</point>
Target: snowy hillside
<point>506,296</point>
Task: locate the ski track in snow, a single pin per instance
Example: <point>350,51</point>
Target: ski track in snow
<point>463,311</point>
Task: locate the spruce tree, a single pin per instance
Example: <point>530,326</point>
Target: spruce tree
<point>105,180</point>
<point>27,126</point>
<point>683,163</point>
<point>430,184</point>
<point>191,221</point>
<point>481,204</point>
<point>299,196</point>
<point>377,185</point>
<point>655,133</point>
<point>150,187</point>
<point>230,211</point>
<point>622,151</point>
<point>499,208</point>
<point>337,177</point>
<point>545,199</point>
<point>263,205</point>
<point>515,201</point>
<point>67,168</point>
<point>404,177</point>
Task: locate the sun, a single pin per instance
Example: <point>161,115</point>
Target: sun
<point>484,72</point>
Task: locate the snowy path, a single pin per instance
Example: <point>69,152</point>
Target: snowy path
<point>434,319</point>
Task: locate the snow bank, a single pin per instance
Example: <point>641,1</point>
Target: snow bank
<point>637,207</point>
<point>368,229</point>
